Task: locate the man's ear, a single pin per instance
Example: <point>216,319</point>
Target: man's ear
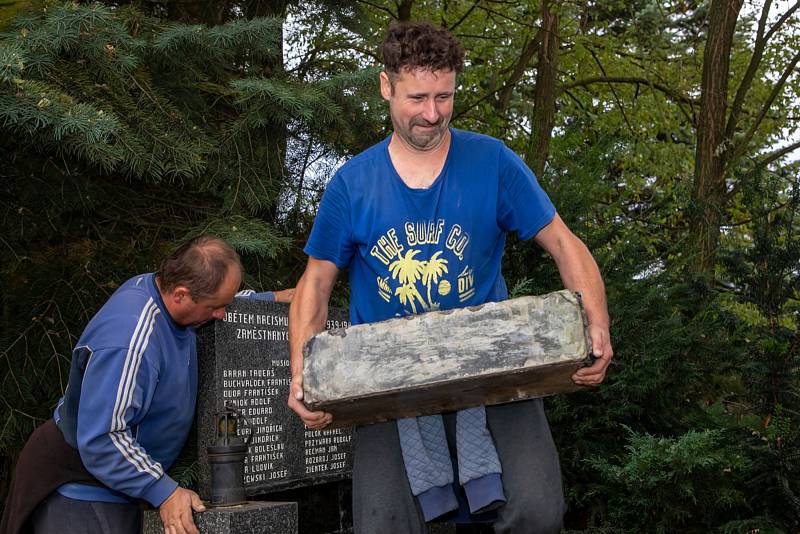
<point>386,86</point>
<point>180,294</point>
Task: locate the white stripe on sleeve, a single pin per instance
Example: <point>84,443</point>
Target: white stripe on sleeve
<point>118,433</point>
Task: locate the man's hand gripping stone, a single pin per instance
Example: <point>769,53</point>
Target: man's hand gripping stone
<point>315,420</point>
<point>593,375</point>
<point>176,511</point>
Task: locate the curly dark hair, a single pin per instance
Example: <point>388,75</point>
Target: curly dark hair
<point>200,265</point>
<point>412,45</point>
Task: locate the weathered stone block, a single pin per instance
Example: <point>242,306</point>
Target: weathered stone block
<point>248,518</point>
<point>446,360</point>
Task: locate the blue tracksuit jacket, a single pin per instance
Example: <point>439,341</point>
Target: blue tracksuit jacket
<point>130,400</point>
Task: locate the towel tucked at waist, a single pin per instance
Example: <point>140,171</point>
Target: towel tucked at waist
<point>430,470</point>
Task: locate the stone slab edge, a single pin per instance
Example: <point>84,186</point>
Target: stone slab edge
<point>253,517</point>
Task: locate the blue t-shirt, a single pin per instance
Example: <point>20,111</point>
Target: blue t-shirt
<point>416,250</point>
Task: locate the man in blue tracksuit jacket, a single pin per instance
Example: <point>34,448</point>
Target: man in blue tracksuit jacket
<point>130,400</point>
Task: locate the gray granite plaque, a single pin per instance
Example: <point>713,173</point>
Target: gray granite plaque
<point>244,361</point>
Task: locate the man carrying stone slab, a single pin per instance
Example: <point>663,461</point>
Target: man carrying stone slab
<point>420,221</point>
<point>129,404</point>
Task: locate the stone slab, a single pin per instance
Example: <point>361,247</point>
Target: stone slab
<point>244,360</point>
<point>447,360</point>
<point>249,518</point>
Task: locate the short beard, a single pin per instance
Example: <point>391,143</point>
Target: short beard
<point>428,140</point>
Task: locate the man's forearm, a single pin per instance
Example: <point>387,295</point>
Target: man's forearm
<point>307,316</point>
<point>577,268</point>
<point>309,309</point>
<point>579,272</point>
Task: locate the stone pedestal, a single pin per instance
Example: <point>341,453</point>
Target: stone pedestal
<point>249,518</point>
<point>447,360</point>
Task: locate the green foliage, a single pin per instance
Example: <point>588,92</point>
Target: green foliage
<point>668,484</point>
<point>256,39</point>
<point>247,235</point>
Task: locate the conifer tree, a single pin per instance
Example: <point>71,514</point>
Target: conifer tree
<point>122,134</point>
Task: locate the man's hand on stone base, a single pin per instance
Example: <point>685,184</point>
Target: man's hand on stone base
<point>176,511</point>
<point>315,420</point>
<point>602,350</point>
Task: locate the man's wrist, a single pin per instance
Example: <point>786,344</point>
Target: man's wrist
<point>297,374</point>
<point>160,491</point>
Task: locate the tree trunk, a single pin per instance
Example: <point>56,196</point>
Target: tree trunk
<point>404,10</point>
<point>708,194</point>
<point>544,107</point>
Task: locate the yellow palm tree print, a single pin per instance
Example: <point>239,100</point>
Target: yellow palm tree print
<point>407,271</point>
<point>434,268</point>
<point>405,268</point>
<point>406,293</point>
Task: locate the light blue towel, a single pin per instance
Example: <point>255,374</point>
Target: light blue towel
<point>430,469</point>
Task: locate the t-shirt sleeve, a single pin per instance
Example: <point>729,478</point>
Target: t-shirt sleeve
<point>522,204</point>
<point>330,237</point>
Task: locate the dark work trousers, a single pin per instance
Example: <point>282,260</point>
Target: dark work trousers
<point>61,515</point>
<point>382,499</point>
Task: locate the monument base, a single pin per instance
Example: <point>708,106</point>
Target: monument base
<point>253,517</point>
